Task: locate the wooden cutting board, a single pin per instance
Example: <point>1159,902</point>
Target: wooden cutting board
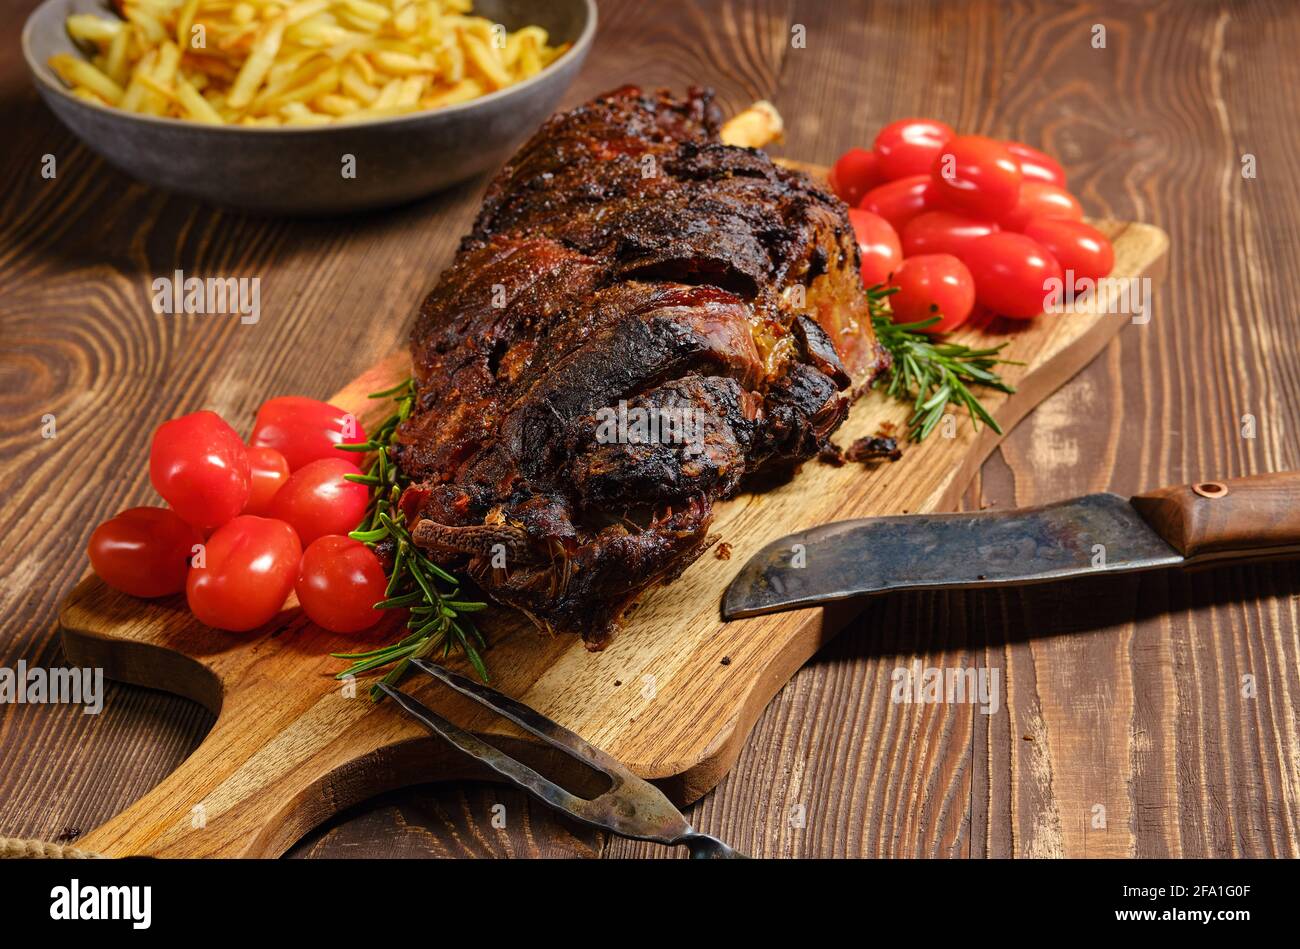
<point>674,696</point>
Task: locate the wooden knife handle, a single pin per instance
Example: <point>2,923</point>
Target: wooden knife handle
<point>1237,517</point>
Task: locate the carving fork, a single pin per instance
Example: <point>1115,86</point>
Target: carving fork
<point>631,807</point>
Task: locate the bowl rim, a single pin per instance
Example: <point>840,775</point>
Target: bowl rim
<point>37,70</point>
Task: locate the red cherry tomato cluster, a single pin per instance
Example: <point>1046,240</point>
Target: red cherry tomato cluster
<point>258,505</point>
<point>953,222</point>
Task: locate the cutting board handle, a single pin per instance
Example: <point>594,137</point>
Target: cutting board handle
<point>1236,517</point>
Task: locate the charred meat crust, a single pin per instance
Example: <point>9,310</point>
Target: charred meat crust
<point>625,265</point>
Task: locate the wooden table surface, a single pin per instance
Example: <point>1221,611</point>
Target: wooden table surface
<point>1153,716</point>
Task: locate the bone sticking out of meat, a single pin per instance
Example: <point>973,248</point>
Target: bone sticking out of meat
<point>758,126</point>
<point>641,319</point>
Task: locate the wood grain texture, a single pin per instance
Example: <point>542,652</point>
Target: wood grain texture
<point>1131,694</point>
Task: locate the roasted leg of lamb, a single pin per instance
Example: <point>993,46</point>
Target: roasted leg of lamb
<point>641,318</point>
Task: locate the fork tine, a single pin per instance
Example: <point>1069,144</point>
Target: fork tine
<point>631,806</point>
<point>532,721</point>
<point>494,758</point>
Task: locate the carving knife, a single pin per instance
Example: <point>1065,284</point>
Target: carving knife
<point>1251,518</point>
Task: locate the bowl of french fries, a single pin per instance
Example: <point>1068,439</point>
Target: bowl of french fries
<point>305,106</point>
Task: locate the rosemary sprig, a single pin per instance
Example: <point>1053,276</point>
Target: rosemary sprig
<point>933,374</point>
<point>437,622</point>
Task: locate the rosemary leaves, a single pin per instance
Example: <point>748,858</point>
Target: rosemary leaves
<point>437,620</point>
<point>932,374</point>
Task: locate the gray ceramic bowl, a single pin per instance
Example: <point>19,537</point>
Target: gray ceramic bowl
<point>299,171</point>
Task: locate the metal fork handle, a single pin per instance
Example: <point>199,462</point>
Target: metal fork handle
<point>631,806</point>
<point>704,847</point>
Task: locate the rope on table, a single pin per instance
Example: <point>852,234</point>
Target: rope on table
<point>15,848</point>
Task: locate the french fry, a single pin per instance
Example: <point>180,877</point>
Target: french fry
<point>462,91</point>
<point>334,104</point>
<point>303,10</point>
<point>216,69</point>
<point>320,32</point>
<point>185,20</point>
<point>196,107</point>
<point>81,92</point>
<point>387,98</point>
<point>399,64</point>
<point>134,97</point>
<point>115,64</point>
<point>363,65</point>
<point>152,28</point>
<point>408,96</point>
<point>289,65</point>
<point>325,82</point>
<point>169,57</point>
<point>484,57</point>
<point>78,72</point>
<point>158,89</point>
<point>375,12</point>
<point>355,85</point>
<point>354,21</point>
<point>295,72</point>
<point>529,63</point>
<point>451,59</point>
<point>88,28</point>
<point>407,19</point>
<point>293,62</point>
<point>257,65</point>
<point>295,113</point>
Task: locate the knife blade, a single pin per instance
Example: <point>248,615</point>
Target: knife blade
<point>1243,518</point>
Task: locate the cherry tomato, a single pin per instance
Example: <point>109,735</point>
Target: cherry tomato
<point>1011,273</point>
<point>268,470</point>
<point>855,173</point>
<point>1038,199</point>
<point>899,201</point>
<point>1036,165</point>
<point>144,551</point>
<point>877,246</point>
<point>1080,249</point>
<point>910,146</point>
<point>317,500</point>
<point>248,571</point>
<point>976,176</point>
<point>933,285</point>
<point>304,429</point>
<point>339,582</point>
<point>942,232</point>
<point>199,466</point>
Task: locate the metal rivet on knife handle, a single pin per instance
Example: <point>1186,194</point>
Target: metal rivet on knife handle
<point>1232,518</point>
